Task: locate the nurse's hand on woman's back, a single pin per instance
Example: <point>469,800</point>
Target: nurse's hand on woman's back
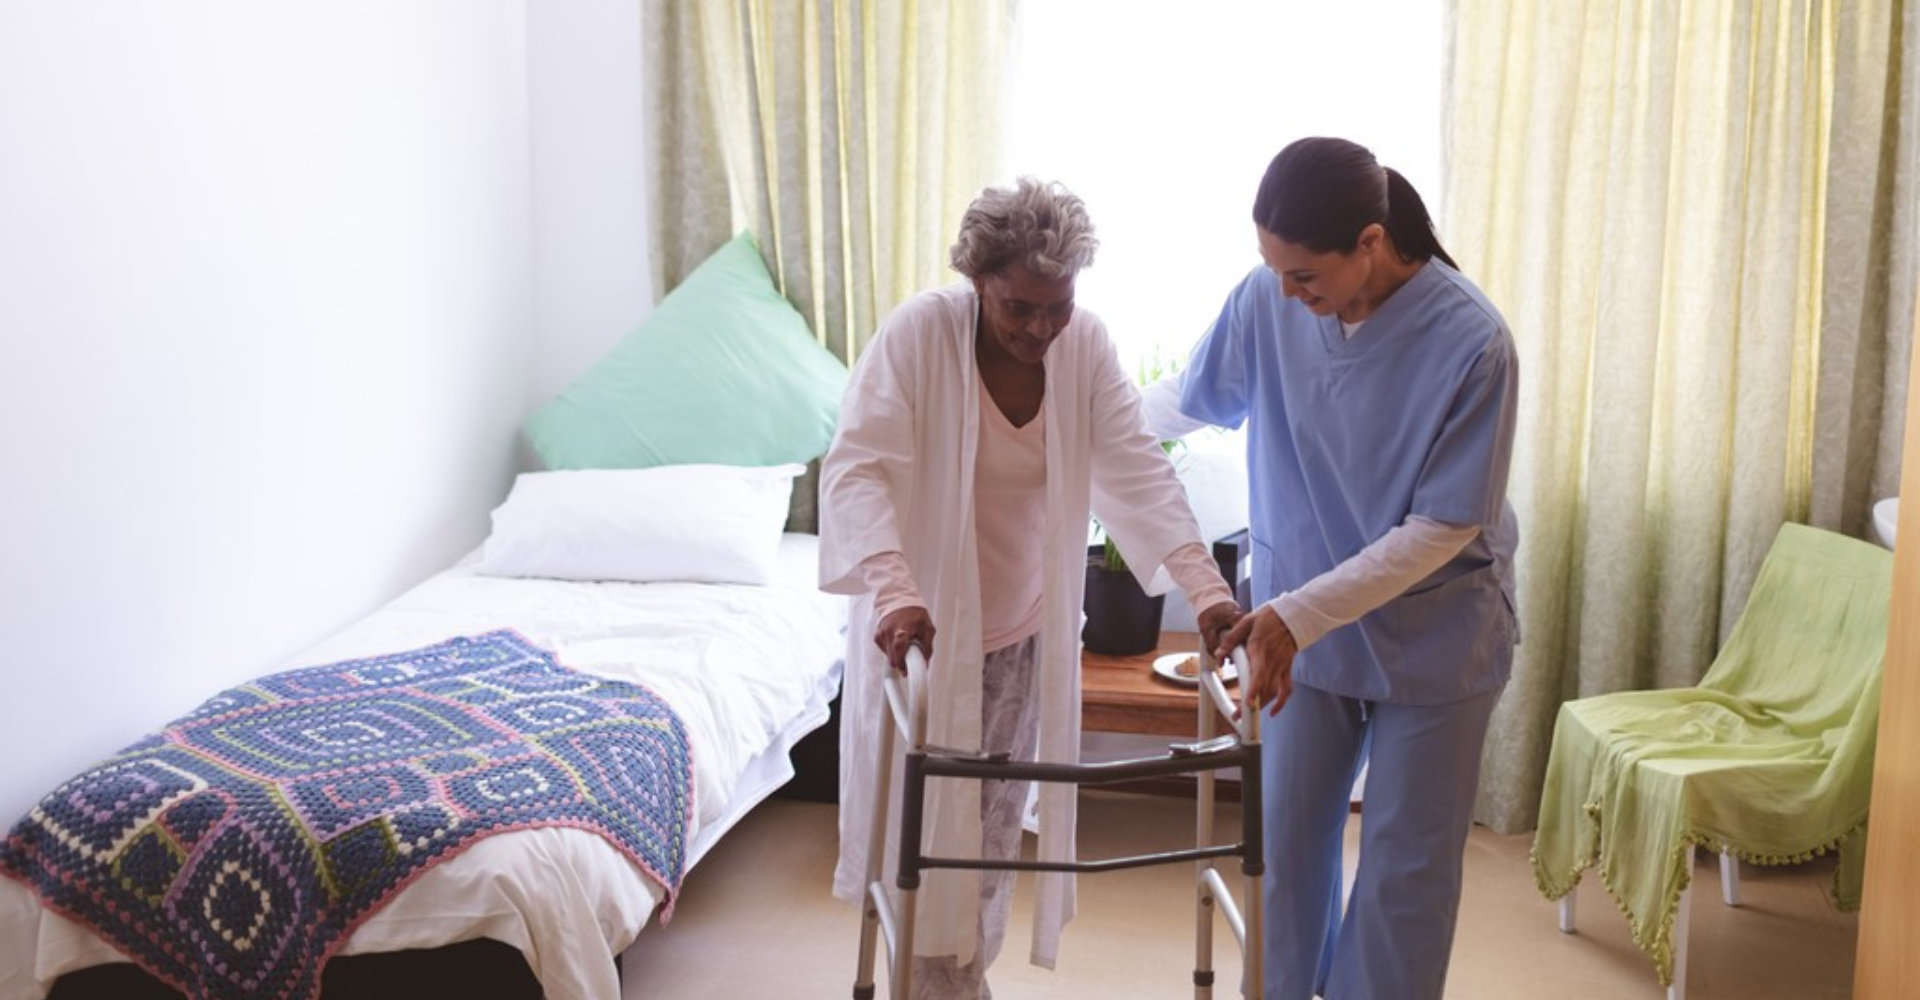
<point>1270,650</point>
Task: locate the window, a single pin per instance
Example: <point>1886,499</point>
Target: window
<point>1165,123</point>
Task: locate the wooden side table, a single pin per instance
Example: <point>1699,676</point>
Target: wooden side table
<point>1122,694</point>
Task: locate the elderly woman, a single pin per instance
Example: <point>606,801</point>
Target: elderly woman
<point>982,424</point>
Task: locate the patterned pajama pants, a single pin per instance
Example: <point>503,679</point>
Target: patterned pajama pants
<point>1009,722</point>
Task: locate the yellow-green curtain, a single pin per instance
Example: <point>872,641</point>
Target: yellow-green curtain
<point>848,136</point>
<point>1685,209</point>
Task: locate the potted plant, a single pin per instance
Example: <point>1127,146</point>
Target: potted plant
<point>1122,620</point>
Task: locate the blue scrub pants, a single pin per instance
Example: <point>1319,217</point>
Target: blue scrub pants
<point>1395,938</point>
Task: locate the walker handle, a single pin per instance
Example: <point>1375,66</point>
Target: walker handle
<point>1249,721</point>
<point>910,706</point>
<point>1244,717</point>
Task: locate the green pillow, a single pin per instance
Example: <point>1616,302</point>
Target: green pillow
<point>723,371</point>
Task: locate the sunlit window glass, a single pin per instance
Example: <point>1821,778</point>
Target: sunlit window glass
<point>1164,116</point>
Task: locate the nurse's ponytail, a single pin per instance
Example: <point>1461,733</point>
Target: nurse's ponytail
<point>1321,192</point>
<point>1409,224</point>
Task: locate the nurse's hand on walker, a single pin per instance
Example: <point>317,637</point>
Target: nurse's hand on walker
<point>903,627</point>
<point>1270,650</point>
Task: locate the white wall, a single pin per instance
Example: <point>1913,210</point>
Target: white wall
<point>265,304</point>
<point>591,280</point>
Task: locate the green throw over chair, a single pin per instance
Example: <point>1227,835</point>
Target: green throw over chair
<point>1769,760</point>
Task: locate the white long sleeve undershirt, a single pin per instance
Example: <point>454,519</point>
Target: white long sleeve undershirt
<point>1160,409</point>
<point>1373,576</point>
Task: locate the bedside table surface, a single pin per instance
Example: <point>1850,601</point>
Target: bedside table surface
<point>1122,694</point>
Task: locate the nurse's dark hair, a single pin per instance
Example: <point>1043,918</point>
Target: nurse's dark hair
<point>1041,226</point>
<point>1320,192</point>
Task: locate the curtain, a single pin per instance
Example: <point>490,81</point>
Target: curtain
<point>848,135</point>
<point>1697,216</point>
<point>1872,251</point>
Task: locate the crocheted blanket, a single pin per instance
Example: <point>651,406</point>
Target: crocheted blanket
<point>232,852</point>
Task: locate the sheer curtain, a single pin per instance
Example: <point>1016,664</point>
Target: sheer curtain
<point>1696,214</point>
<point>849,136</point>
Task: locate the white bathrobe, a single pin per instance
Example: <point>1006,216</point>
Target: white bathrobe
<point>899,477</point>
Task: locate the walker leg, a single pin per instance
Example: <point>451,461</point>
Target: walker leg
<point>1253,868</point>
<point>1203,935</point>
<point>903,948</point>
<point>1253,955</point>
<point>876,860</point>
<point>863,975</point>
<point>1203,947</point>
<point>1203,834</point>
<point>913,787</point>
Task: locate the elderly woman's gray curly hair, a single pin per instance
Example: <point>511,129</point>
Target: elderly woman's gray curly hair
<point>1041,226</point>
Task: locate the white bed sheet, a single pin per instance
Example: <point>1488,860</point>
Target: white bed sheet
<point>748,669</point>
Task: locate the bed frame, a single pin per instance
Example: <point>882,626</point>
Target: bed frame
<point>482,969</point>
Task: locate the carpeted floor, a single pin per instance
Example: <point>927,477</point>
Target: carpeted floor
<point>756,921</point>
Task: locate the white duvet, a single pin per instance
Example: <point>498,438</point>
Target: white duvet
<point>748,669</point>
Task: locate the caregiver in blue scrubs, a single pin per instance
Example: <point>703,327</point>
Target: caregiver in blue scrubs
<point>1378,386</point>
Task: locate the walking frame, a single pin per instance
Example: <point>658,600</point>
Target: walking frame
<point>1239,747</point>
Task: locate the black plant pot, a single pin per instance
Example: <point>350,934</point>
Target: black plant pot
<point>1121,619</point>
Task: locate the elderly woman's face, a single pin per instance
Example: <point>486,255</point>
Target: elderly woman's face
<point>1021,313</point>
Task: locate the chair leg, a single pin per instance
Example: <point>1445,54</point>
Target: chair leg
<point>1682,919</point>
<point>1729,879</point>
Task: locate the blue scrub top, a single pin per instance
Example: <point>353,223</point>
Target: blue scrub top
<point>1348,437</point>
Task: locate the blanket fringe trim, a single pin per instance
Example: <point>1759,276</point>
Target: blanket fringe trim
<point>1656,941</point>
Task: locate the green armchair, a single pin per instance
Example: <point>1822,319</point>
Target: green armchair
<point>1768,760</point>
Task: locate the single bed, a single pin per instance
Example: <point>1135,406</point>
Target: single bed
<point>749,670</point>
<point>675,473</point>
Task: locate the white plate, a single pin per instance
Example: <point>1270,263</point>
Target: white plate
<point>1168,666</point>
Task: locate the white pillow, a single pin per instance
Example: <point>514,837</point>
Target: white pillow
<point>699,523</point>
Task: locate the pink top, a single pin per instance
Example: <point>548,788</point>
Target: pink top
<point>1009,494</point>
<point>1009,515</point>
